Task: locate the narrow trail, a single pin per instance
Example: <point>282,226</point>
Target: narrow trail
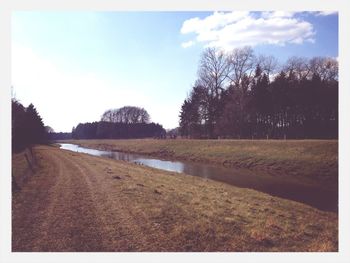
<point>68,214</point>
<point>76,202</point>
<point>75,210</point>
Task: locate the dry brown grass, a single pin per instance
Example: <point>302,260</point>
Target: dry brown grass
<point>311,161</point>
<point>77,202</point>
<point>24,168</point>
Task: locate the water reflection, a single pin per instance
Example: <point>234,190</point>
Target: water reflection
<point>321,198</point>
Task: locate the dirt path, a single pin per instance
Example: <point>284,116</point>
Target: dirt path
<point>68,218</point>
<point>77,202</point>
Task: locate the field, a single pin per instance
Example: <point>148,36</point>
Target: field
<point>77,202</point>
<point>310,161</point>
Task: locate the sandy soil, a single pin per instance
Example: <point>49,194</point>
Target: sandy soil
<point>77,202</point>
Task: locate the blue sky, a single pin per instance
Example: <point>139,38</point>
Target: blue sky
<point>75,65</point>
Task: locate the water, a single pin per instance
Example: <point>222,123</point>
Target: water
<point>321,198</point>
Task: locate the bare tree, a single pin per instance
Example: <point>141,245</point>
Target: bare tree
<point>144,116</point>
<point>48,129</point>
<point>213,70</point>
<point>297,66</point>
<point>108,116</point>
<point>242,62</point>
<point>268,64</point>
<point>127,114</point>
<point>212,79</point>
<point>325,68</point>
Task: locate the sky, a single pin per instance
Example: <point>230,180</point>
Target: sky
<point>75,65</point>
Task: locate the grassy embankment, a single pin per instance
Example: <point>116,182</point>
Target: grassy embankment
<point>77,202</point>
<point>24,168</point>
<point>312,161</point>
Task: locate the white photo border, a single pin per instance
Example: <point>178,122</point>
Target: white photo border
<point>8,6</point>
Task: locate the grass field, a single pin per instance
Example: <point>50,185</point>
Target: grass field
<point>77,202</point>
<point>314,161</point>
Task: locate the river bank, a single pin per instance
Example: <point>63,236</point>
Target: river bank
<point>77,202</point>
<point>310,161</point>
<point>285,187</point>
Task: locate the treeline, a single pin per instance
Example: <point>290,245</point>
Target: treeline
<point>60,136</point>
<point>123,123</point>
<point>110,130</point>
<point>240,95</point>
<point>27,127</point>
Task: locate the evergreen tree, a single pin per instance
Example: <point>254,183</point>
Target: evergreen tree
<point>27,127</point>
<point>36,132</point>
<point>300,101</point>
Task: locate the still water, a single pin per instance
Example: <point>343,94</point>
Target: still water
<point>320,198</point>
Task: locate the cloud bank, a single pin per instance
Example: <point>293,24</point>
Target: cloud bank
<point>229,30</point>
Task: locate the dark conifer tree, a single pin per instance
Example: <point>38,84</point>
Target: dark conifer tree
<point>301,101</point>
<point>36,132</point>
<point>27,127</point>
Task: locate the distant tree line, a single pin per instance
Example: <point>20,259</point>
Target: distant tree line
<point>110,130</point>
<point>27,127</point>
<point>241,95</point>
<point>60,136</point>
<point>173,133</point>
<point>123,123</point>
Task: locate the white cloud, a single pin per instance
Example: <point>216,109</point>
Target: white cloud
<point>214,21</point>
<point>325,13</point>
<point>272,14</point>
<point>234,29</point>
<point>187,44</point>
